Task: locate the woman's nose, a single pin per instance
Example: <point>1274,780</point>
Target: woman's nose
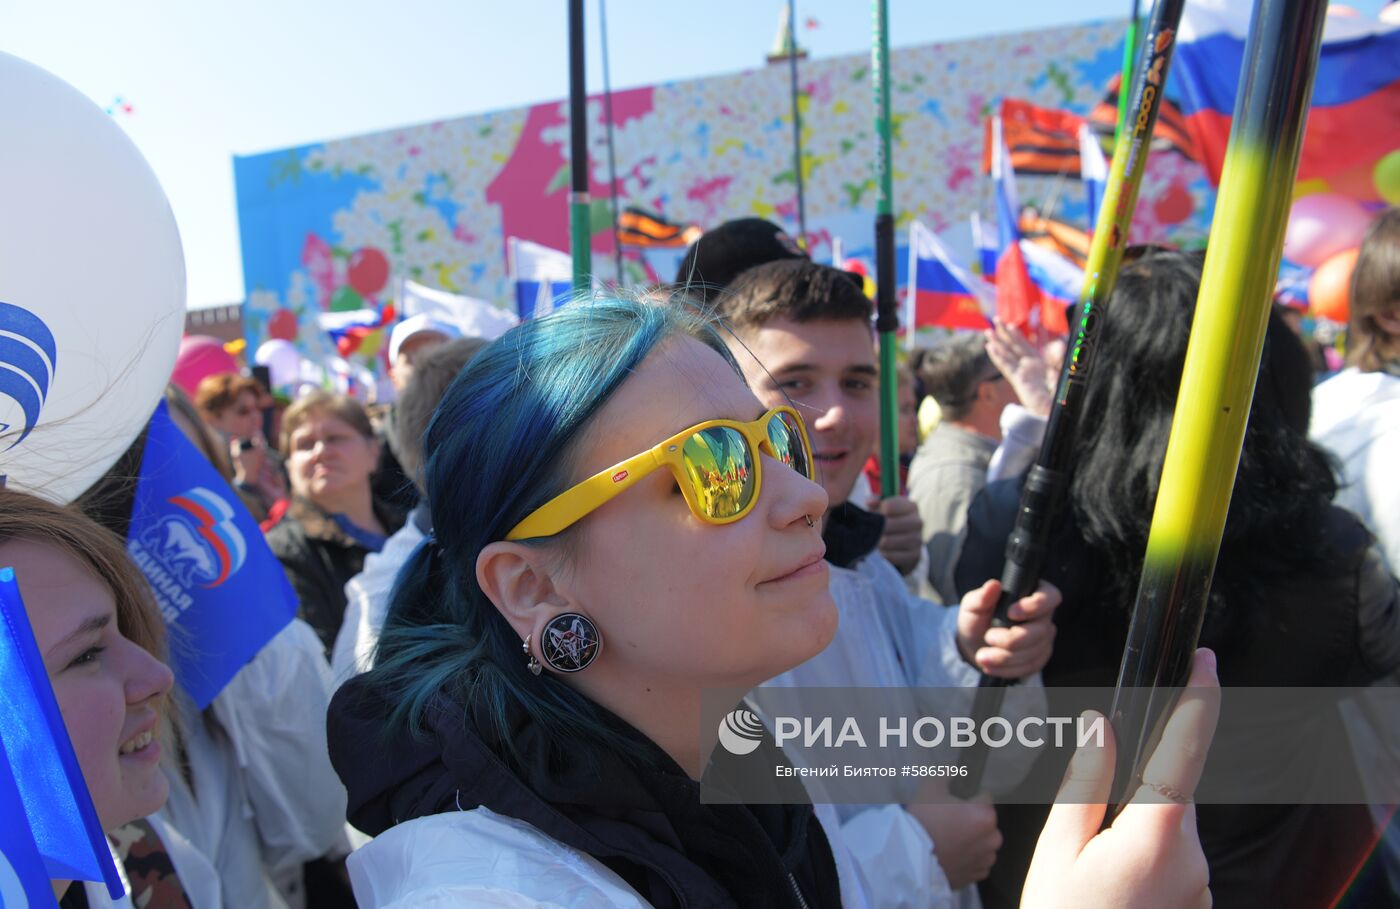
<point>147,677</point>
<point>795,496</point>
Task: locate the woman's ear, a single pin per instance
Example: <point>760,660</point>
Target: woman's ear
<point>518,579</point>
<point>1389,324</point>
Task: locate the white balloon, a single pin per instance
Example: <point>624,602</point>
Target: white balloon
<point>282,359</point>
<point>92,286</point>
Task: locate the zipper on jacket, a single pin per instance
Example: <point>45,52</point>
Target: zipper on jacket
<point>801,901</point>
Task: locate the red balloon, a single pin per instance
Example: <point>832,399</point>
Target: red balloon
<point>1175,205</point>
<point>856,266</point>
<point>368,271</point>
<point>283,324</point>
<point>1329,289</point>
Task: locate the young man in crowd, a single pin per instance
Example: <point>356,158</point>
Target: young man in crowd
<point>802,335</point>
<point>714,262</point>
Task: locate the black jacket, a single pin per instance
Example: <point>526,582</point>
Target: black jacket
<point>320,558</point>
<point>640,815</point>
<point>1307,634</point>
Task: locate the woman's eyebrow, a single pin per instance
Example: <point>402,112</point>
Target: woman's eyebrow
<point>93,624</point>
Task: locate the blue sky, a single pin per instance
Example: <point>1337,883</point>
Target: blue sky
<point>208,80</point>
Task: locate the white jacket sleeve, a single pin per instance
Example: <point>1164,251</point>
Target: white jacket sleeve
<point>274,712</point>
<point>1021,434</point>
<point>932,660</point>
<point>367,603</point>
<point>891,857</point>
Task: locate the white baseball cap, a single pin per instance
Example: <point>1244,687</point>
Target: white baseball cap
<point>418,324</point>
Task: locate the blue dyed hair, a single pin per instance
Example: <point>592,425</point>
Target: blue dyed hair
<point>501,444</point>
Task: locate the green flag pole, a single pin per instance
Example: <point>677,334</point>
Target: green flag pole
<point>1222,363</point>
<point>580,233</point>
<point>886,320</point>
<point>1043,494</point>
<point>1129,55</point>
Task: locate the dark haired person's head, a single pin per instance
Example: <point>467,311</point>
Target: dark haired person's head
<point>1284,484</point>
<point>1375,298</point>
<point>802,334</point>
<point>432,373</point>
<point>681,603</point>
<point>724,252</point>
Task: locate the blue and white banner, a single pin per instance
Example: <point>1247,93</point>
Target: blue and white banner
<point>1093,169</point>
<point>48,827</point>
<point>542,277</point>
<point>220,589</point>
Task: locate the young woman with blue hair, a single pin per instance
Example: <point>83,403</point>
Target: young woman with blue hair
<point>618,525</point>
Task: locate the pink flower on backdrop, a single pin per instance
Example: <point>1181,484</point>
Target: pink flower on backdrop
<point>820,90</point>
<point>710,193</point>
<point>320,266</point>
<point>975,102</point>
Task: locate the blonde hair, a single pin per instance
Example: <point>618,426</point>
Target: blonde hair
<point>323,403</point>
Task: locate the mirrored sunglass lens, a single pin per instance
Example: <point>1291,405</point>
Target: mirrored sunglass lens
<point>721,469</point>
<point>786,438</point>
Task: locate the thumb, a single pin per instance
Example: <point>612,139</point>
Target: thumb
<point>1082,800</point>
<point>975,612</point>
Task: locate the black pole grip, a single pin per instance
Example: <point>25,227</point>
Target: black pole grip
<point>1026,549</point>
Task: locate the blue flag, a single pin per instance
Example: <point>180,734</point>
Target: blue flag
<point>22,875</point>
<point>47,811</point>
<point>221,590</point>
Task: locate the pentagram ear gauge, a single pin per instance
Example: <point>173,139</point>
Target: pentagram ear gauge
<point>570,642</point>
<point>531,663</point>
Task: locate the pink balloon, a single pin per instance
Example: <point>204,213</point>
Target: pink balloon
<point>1322,225</point>
<point>200,356</point>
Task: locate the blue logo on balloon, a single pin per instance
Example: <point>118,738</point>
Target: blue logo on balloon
<point>28,359</point>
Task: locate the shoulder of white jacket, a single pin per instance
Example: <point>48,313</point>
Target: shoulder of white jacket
<point>480,848</point>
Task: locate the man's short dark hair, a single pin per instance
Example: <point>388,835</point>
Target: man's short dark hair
<point>952,371</point>
<point>799,290</point>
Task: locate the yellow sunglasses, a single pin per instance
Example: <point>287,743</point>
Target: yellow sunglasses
<point>715,463</point>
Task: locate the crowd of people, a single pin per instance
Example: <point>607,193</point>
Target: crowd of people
<point>516,582</point>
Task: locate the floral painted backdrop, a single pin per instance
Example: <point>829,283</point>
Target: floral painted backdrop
<point>335,225</point>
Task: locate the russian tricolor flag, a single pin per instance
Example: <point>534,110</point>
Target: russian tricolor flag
<point>940,293</point>
<point>1058,281</point>
<point>1355,116</point>
<point>543,277</point>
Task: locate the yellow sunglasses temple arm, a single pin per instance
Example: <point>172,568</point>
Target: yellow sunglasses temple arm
<point>577,501</point>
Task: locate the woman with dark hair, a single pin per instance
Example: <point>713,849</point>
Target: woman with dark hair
<point>618,524</point>
<point>1299,596</point>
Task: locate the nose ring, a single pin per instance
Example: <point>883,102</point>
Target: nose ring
<point>810,522</point>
